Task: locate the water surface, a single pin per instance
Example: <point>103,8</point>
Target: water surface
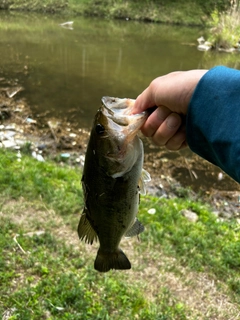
<point>66,72</point>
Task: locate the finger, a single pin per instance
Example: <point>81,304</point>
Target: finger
<point>144,101</point>
<point>157,93</point>
<point>167,129</point>
<point>178,141</point>
<point>155,120</point>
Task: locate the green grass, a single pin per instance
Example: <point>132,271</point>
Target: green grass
<point>180,12</point>
<point>63,286</point>
<point>225,28</point>
<point>58,187</point>
<point>180,270</point>
<point>208,245</point>
<point>35,5</point>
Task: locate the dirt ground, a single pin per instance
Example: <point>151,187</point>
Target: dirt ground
<point>173,173</point>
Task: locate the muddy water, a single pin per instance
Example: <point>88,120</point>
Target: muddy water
<point>66,71</point>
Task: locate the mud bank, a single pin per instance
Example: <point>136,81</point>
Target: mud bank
<point>176,174</point>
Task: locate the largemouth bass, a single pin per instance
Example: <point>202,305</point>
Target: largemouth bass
<point>112,178</point>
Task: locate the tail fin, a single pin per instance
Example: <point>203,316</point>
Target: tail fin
<point>115,260</point>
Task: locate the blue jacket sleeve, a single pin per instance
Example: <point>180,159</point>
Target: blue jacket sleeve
<point>213,120</point>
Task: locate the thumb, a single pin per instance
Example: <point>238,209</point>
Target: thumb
<point>173,91</point>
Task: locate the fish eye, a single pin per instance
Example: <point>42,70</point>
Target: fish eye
<point>99,128</point>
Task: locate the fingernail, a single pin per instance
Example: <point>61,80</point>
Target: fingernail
<point>173,121</point>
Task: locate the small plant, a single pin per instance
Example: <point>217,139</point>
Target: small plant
<point>27,148</point>
<point>225,29</point>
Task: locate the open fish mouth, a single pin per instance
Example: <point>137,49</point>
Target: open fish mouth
<point>120,112</point>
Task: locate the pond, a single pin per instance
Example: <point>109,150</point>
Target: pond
<point>65,71</point>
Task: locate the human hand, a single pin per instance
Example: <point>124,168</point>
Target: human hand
<point>171,95</point>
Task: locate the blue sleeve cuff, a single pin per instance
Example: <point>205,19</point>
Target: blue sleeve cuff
<point>213,119</point>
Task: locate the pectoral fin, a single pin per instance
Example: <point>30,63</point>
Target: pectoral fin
<point>85,230</point>
<point>145,177</point>
<point>135,229</point>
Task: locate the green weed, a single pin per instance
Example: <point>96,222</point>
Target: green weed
<point>225,28</point>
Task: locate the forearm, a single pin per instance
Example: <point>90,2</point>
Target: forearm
<point>213,119</point>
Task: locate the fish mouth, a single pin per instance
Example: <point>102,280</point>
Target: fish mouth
<point>119,112</point>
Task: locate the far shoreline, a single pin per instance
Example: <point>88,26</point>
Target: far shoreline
<point>188,13</point>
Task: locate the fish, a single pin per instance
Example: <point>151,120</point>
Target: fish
<point>112,179</point>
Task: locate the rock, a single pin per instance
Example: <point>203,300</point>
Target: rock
<point>190,215</point>
<point>216,213</point>
<point>37,156</point>
<point>31,121</point>
<point>226,213</point>
<point>204,47</point>
<point>201,40</point>
<point>152,211</point>
<point>8,143</point>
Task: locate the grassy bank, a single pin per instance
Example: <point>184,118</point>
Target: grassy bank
<point>225,28</point>
<point>183,12</point>
<point>180,270</point>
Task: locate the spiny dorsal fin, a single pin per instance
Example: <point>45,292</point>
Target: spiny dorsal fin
<point>85,230</point>
<point>135,229</point>
<point>145,177</point>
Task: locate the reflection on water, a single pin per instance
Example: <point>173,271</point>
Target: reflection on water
<point>66,72</point>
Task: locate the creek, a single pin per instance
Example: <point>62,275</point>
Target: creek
<point>66,71</point>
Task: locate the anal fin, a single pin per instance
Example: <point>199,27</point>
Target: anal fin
<point>86,231</point>
<point>135,229</point>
